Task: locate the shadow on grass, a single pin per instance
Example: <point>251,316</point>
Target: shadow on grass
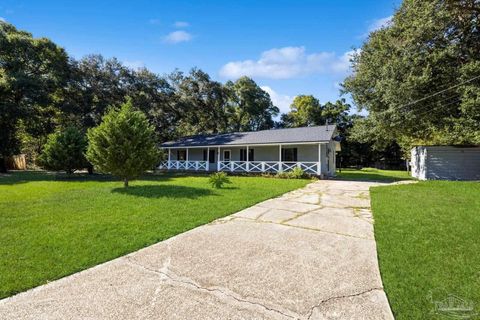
<point>17,177</point>
<point>164,191</point>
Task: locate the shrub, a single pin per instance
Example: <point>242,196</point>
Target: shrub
<point>218,179</point>
<point>296,173</point>
<point>282,175</point>
<point>123,144</point>
<point>64,151</point>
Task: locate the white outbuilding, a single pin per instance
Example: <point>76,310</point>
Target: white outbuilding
<point>446,162</point>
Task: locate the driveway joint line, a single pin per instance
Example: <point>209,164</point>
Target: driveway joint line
<point>299,227</point>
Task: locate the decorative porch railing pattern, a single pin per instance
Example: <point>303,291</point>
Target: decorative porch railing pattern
<point>267,166</point>
<point>242,166</point>
<point>183,165</point>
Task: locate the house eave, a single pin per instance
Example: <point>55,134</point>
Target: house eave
<point>244,145</point>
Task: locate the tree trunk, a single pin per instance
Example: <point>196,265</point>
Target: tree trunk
<point>3,165</point>
<point>90,169</point>
<point>125,182</point>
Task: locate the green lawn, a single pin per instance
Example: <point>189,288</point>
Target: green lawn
<point>53,227</point>
<point>372,174</point>
<point>428,240</point>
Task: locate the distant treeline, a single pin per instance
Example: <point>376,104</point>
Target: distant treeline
<point>43,90</point>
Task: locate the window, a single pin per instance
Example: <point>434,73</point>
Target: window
<point>289,155</point>
<point>243,155</point>
<point>181,155</point>
<point>226,155</point>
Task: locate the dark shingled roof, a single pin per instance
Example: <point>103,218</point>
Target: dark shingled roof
<point>290,135</point>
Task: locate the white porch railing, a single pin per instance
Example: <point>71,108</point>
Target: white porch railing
<point>267,166</point>
<point>241,166</point>
<point>183,165</point>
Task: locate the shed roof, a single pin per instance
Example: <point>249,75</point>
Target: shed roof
<point>290,135</point>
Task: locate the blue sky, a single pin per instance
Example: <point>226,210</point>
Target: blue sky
<point>288,47</point>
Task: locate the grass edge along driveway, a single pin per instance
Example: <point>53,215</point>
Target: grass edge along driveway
<point>55,227</point>
<point>428,245</point>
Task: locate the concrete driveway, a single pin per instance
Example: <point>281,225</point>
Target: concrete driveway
<point>309,254</point>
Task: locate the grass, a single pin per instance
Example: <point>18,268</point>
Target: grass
<point>428,244</point>
<point>372,174</point>
<point>52,226</point>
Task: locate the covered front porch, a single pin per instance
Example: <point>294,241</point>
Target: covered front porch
<point>312,158</point>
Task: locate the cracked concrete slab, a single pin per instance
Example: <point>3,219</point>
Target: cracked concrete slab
<point>251,213</point>
<point>289,257</point>
<point>312,198</point>
<point>345,201</point>
<point>122,290</point>
<point>293,206</point>
<point>353,307</point>
<point>336,224</point>
<point>277,215</point>
<point>281,267</point>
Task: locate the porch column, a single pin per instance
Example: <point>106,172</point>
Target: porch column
<point>168,163</point>
<point>218,159</point>
<point>207,167</point>
<point>186,159</point>
<point>248,161</point>
<point>280,169</point>
<point>319,164</point>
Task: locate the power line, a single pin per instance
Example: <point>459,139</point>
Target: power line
<point>434,94</point>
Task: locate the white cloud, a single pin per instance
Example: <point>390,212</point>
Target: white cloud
<point>177,37</point>
<point>181,24</point>
<point>281,101</point>
<point>379,23</point>
<point>342,63</point>
<point>288,62</point>
<point>137,64</point>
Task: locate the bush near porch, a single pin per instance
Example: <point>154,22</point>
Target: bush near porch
<point>53,227</point>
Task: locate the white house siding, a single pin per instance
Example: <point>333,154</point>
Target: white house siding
<point>306,153</point>
<point>446,163</point>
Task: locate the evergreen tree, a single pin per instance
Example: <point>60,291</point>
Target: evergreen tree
<point>65,151</point>
<point>123,144</point>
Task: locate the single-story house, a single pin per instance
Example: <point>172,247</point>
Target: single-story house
<point>445,162</point>
<point>310,148</point>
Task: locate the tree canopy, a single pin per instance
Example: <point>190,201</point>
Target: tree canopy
<point>307,111</point>
<point>31,72</point>
<point>419,77</point>
<point>249,107</point>
<point>42,90</point>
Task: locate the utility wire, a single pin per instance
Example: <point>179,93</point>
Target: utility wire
<point>433,95</point>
